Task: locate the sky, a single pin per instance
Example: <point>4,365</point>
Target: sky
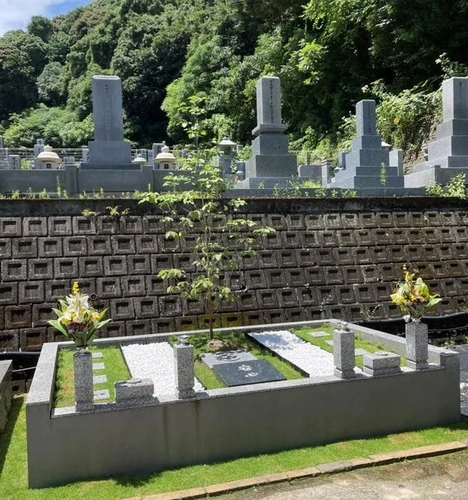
<point>16,14</point>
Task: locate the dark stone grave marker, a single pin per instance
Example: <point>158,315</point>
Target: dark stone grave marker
<point>247,372</point>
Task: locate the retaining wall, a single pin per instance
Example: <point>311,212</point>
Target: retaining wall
<point>232,422</point>
<point>328,258</point>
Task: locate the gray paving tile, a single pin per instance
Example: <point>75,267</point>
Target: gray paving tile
<point>99,379</point>
<point>98,366</point>
<point>96,355</point>
<point>101,394</point>
<point>319,334</point>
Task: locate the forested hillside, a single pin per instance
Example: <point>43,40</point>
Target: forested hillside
<point>196,62</point>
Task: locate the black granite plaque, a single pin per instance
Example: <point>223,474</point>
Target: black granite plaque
<point>247,372</point>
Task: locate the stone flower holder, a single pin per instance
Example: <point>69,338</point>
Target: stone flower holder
<point>84,392</point>
<point>184,368</point>
<point>416,345</point>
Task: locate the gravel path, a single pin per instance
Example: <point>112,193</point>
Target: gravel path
<point>155,361</point>
<point>310,358</point>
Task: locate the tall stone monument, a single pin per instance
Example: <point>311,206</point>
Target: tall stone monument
<point>108,150</point>
<point>271,164</point>
<point>447,156</point>
<point>368,163</point>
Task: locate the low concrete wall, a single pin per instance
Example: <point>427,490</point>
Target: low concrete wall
<point>6,368</point>
<point>227,423</point>
<point>74,180</point>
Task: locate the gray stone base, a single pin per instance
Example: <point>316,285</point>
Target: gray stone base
<point>416,366</point>
<point>266,183</point>
<point>280,165</point>
<point>185,393</point>
<point>381,372</point>
<point>426,174</point>
<point>344,374</point>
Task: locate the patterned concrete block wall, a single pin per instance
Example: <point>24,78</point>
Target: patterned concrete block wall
<point>327,258</point>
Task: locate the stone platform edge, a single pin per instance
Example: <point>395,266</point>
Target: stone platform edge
<point>319,470</point>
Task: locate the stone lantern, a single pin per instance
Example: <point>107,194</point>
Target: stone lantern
<point>47,159</point>
<point>139,160</point>
<point>226,155</point>
<point>165,160</point>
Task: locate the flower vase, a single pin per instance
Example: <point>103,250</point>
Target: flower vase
<point>83,368</point>
<point>416,345</point>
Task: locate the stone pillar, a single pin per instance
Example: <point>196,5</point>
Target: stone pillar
<point>184,368</point>
<point>416,345</point>
<point>71,179</point>
<point>343,352</point>
<point>84,393</point>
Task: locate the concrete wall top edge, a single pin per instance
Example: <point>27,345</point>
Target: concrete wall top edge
<point>51,207</point>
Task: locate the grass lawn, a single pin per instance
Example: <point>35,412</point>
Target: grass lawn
<point>13,465</point>
<point>115,370</point>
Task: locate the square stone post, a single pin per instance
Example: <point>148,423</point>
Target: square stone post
<point>184,368</point>
<point>416,345</point>
<point>84,392</point>
<point>343,352</point>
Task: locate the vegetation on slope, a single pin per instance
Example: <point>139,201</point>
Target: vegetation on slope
<point>329,54</point>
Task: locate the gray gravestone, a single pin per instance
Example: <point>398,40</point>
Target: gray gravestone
<point>368,164</point>
<point>38,148</point>
<point>311,172</point>
<point>108,150</point>
<point>14,162</point>
<point>270,164</point>
<point>447,155</point>
<point>247,372</point>
<point>68,160</point>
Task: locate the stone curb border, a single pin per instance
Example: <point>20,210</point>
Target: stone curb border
<point>321,469</point>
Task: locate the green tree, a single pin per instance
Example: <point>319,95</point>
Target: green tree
<point>50,84</point>
<point>202,213</point>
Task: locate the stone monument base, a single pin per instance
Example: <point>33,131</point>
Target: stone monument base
<point>425,175</point>
<point>266,183</point>
<point>271,166</point>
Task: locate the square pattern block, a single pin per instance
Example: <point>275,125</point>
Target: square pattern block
<point>247,372</point>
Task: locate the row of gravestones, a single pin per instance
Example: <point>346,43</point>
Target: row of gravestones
<point>368,166</point>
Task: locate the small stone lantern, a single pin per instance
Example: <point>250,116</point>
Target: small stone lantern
<point>165,159</point>
<point>48,159</point>
<point>139,160</point>
<point>226,155</point>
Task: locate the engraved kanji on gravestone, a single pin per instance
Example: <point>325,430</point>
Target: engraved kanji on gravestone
<point>247,372</point>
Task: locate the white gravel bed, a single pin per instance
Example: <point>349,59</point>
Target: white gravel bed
<point>309,358</point>
<point>154,361</point>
